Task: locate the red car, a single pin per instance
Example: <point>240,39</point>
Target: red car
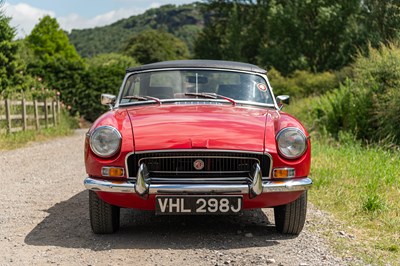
<point>197,137</point>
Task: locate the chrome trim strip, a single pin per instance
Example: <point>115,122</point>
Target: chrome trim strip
<point>298,184</point>
<point>200,179</point>
<point>197,101</point>
<point>231,180</point>
<point>200,150</point>
<point>199,172</point>
<point>200,156</point>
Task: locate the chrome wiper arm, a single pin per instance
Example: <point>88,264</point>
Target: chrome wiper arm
<point>204,95</point>
<point>211,95</point>
<point>142,98</point>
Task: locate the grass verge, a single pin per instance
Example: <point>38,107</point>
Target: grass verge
<point>20,139</point>
<point>360,186</point>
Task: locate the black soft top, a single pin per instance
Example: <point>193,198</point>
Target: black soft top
<point>200,64</point>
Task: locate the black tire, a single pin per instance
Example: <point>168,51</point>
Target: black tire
<point>104,217</point>
<point>290,218</point>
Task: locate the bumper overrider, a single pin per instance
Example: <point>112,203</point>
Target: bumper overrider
<point>143,188</point>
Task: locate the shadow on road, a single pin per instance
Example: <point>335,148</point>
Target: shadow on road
<point>68,226</point>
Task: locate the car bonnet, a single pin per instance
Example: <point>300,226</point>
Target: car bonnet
<point>222,127</point>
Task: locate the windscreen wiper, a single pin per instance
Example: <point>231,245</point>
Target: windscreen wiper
<point>142,98</point>
<point>211,95</point>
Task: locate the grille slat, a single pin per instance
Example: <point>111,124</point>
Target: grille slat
<point>219,167</point>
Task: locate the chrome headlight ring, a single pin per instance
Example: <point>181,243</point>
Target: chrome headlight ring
<point>291,142</point>
<point>105,141</point>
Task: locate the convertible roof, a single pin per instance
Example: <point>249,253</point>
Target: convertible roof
<point>200,64</point>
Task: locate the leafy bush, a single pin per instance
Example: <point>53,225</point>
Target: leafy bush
<point>378,77</point>
<point>152,46</point>
<point>367,106</point>
<point>104,75</point>
<point>303,83</point>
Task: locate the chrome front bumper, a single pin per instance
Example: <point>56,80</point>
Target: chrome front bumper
<point>298,184</point>
<point>143,188</point>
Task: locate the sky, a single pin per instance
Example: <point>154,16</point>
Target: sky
<point>76,14</point>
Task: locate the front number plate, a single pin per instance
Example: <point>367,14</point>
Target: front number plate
<point>180,205</point>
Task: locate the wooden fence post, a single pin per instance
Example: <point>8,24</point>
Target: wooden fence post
<point>58,110</point>
<point>53,110</point>
<point>35,106</point>
<point>23,114</point>
<point>8,115</point>
<point>46,114</point>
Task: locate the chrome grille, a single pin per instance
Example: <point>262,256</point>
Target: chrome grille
<point>222,167</point>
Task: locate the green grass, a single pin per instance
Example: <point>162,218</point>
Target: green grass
<point>20,139</point>
<point>360,186</point>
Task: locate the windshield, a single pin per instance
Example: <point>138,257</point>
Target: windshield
<point>185,84</point>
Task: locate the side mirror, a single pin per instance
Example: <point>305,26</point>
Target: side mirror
<point>108,99</point>
<point>282,99</point>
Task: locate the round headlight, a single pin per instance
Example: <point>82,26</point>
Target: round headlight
<point>105,141</point>
<point>292,142</point>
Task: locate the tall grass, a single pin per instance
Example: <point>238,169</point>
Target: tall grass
<point>359,183</point>
<point>361,187</point>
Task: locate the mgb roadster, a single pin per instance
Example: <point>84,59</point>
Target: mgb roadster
<point>197,137</point>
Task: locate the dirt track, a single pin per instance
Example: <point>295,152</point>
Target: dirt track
<point>44,220</point>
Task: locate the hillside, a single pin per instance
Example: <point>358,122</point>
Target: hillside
<point>183,21</point>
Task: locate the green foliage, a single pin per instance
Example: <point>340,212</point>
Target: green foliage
<point>54,61</point>
<point>315,36</point>
<point>377,78</point>
<point>367,106</point>
<point>303,83</point>
<point>152,46</point>
<point>47,40</point>
<point>111,60</point>
<point>10,65</point>
<point>381,20</point>
<point>104,75</point>
<point>311,35</point>
<point>233,32</point>
<point>184,22</point>
<point>63,75</point>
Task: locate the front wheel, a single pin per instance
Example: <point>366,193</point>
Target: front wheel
<point>104,217</point>
<point>290,218</point>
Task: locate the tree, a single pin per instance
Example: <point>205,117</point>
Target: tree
<point>47,39</point>
<point>56,61</point>
<point>312,35</point>
<point>294,35</point>
<point>235,31</point>
<point>381,20</point>
<point>10,66</point>
<point>153,46</point>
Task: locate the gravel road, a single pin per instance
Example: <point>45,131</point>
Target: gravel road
<point>44,220</point>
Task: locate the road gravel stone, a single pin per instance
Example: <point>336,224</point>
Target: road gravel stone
<point>44,220</point>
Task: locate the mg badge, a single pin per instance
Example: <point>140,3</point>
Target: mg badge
<point>198,164</point>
